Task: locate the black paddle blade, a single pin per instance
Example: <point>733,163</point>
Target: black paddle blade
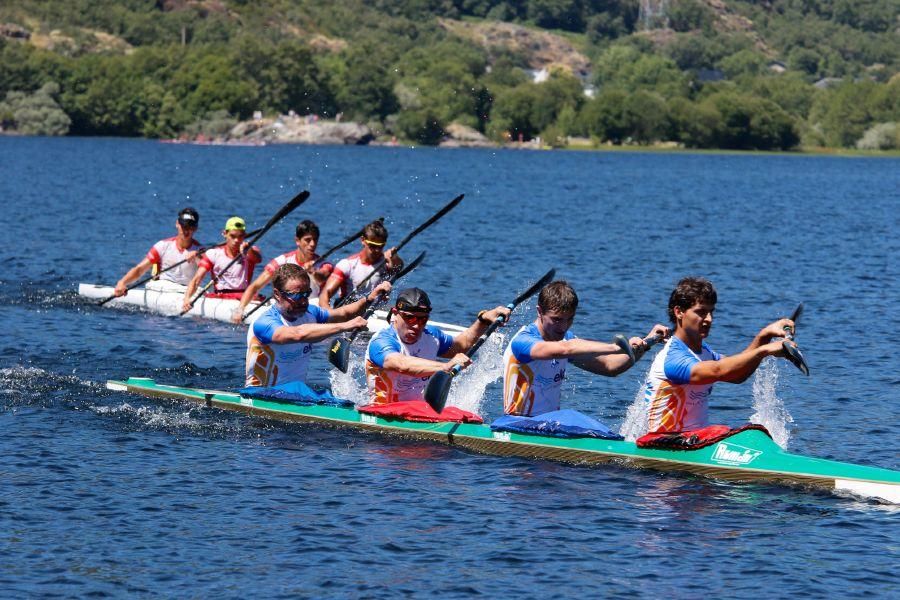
<point>797,312</point>
<point>622,342</point>
<point>437,390</point>
<point>793,354</point>
<point>339,354</point>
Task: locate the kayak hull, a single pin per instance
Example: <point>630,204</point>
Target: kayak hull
<point>166,299</point>
<point>749,456</point>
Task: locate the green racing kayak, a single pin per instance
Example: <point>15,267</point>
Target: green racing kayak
<point>748,456</point>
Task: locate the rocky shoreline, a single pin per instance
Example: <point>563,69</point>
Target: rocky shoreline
<point>309,129</point>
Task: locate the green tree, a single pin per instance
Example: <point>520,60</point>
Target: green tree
<point>35,114</point>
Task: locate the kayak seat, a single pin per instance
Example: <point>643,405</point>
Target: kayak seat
<point>693,439</point>
<point>565,423</point>
<point>295,392</point>
<point>419,410</point>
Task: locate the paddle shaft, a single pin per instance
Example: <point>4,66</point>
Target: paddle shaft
<point>438,387</point>
<point>502,318</point>
<point>378,266</point>
<point>282,212</point>
<point>349,239</point>
<point>339,351</point>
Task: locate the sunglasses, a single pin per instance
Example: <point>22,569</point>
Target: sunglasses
<point>414,318</point>
<point>294,296</point>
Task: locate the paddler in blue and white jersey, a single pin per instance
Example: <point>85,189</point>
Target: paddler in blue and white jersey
<point>280,341</point>
<point>537,355</point>
<point>401,358</point>
<point>682,375</point>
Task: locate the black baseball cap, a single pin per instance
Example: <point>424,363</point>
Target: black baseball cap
<point>188,217</point>
<point>413,300</point>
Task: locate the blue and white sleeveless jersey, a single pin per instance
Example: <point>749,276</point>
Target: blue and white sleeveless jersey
<point>673,403</point>
<point>387,386</point>
<point>269,363</point>
<point>531,387</point>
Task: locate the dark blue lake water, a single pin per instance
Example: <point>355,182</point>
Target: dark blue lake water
<point>109,494</point>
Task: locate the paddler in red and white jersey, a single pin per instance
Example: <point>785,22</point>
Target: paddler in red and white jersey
<point>165,253</point>
<point>307,239</point>
<point>232,282</point>
<point>683,373</point>
<point>401,358</point>
<point>280,342</point>
<point>537,355</point>
<point>349,272</point>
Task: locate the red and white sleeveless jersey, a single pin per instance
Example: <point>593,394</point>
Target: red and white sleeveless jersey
<point>290,258</point>
<point>166,253</point>
<point>238,275</point>
<point>351,271</point>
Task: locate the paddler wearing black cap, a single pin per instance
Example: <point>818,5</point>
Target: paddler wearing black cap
<point>401,358</point>
<point>165,253</point>
<point>232,282</point>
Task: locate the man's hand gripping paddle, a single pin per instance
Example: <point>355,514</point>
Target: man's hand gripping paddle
<point>791,351</point>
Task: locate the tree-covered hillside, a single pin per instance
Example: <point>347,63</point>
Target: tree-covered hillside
<point>703,73</point>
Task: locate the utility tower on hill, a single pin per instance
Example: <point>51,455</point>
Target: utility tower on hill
<point>653,14</point>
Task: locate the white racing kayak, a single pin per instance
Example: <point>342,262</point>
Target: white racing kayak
<point>165,298</point>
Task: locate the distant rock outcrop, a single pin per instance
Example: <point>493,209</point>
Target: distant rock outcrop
<point>462,136</point>
<point>287,129</point>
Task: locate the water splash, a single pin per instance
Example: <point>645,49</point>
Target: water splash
<point>467,391</point>
<point>769,409</point>
<point>635,423</point>
<point>352,384</point>
<point>155,417</point>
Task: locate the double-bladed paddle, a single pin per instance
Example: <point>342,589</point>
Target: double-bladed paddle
<point>791,351</point>
<point>318,260</point>
<point>449,206</point>
<point>169,268</point>
<point>282,212</point>
<point>339,352</point>
<point>439,384</point>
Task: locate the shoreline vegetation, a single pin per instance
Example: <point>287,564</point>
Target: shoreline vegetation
<point>660,75</point>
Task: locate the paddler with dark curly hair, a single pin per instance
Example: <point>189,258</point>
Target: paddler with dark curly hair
<point>401,358</point>
<point>683,373</point>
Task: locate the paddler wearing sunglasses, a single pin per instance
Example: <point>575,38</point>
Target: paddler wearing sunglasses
<point>280,342</point>
<point>349,272</point>
<point>401,358</point>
